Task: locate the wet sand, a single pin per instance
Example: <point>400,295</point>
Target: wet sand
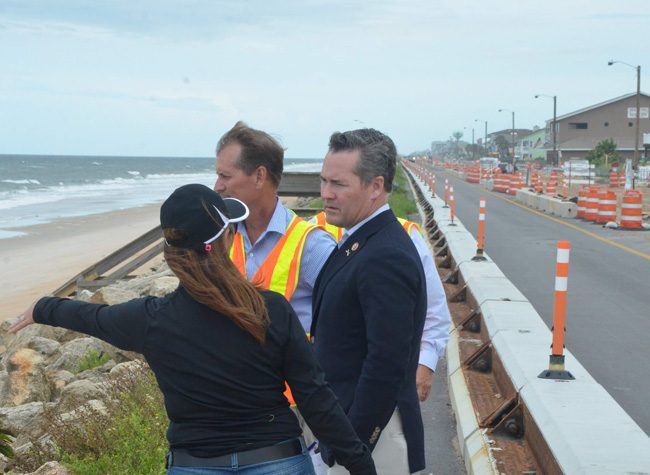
<point>50,254</point>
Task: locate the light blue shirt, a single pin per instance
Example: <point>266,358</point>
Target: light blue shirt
<point>318,247</point>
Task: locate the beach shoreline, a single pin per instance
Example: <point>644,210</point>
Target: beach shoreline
<point>48,255</point>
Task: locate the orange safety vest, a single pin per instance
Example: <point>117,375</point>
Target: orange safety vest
<point>321,221</point>
<point>408,225</point>
<point>337,233</point>
<point>281,268</point>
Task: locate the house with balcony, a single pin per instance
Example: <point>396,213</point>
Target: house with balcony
<point>580,131</point>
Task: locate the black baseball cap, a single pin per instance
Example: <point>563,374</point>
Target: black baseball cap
<point>202,213</point>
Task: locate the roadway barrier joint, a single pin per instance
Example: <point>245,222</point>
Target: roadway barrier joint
<point>459,296</point>
<point>511,423</point>
<point>471,322</point>
<point>481,359</point>
<point>452,277</point>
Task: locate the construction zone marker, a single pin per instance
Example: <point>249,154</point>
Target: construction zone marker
<point>481,232</point>
<point>556,368</point>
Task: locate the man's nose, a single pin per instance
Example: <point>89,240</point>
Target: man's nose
<point>218,186</point>
<point>326,191</point>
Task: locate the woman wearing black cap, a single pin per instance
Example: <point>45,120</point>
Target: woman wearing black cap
<point>221,351</point>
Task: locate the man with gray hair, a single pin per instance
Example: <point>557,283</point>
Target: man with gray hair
<point>369,304</point>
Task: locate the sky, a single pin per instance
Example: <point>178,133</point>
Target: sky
<point>169,77</point>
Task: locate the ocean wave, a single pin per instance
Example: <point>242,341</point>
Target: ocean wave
<point>22,182</point>
<point>108,193</point>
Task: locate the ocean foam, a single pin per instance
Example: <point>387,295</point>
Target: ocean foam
<point>22,182</point>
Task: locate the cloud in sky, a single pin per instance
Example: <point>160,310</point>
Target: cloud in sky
<point>168,78</point>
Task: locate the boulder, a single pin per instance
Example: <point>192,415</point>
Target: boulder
<point>20,419</point>
<point>21,339</point>
<point>58,379</point>
<point>51,468</point>
<point>124,369</point>
<point>26,381</point>
<point>94,406</point>
<point>45,346</point>
<point>163,286</point>
<point>78,393</point>
<point>74,351</point>
<point>112,295</point>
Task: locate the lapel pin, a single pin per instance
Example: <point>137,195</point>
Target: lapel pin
<point>355,246</point>
<point>347,252</point>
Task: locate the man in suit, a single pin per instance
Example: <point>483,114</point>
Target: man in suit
<point>370,303</point>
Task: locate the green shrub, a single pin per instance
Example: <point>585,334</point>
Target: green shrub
<point>5,447</point>
<point>92,359</point>
<point>400,200</point>
<point>129,439</point>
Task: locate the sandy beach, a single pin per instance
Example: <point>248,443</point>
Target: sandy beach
<point>50,254</point>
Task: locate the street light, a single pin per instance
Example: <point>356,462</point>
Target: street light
<point>485,138</point>
<point>556,160</point>
<point>512,133</point>
<point>638,111</point>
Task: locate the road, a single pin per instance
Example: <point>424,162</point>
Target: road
<point>608,309</point>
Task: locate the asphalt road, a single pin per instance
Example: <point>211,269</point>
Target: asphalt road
<point>608,308</point>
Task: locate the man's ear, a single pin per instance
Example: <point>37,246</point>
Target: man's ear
<point>260,174</point>
<point>377,187</point>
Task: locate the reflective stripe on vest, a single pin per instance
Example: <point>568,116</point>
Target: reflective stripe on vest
<point>337,233</point>
<point>281,268</point>
<point>321,221</point>
<point>408,225</point>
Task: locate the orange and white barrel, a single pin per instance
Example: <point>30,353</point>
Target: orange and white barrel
<point>582,202</point>
<point>591,213</point>
<point>500,182</point>
<point>606,206</point>
<point>516,183</point>
<point>631,210</point>
<point>473,175</point>
<point>551,185</point>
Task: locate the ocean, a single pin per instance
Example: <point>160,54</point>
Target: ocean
<point>37,189</point>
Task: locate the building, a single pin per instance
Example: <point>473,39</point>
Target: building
<point>580,131</point>
<point>507,134</point>
<point>533,145</point>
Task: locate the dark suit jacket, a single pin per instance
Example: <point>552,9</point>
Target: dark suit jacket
<point>369,307</point>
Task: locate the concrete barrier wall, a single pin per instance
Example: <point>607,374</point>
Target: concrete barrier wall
<point>547,204</point>
<point>586,431</point>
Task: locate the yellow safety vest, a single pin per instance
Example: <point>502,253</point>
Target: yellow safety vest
<point>337,233</point>
<point>281,268</point>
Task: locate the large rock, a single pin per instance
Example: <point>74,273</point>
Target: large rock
<point>26,381</point>
<point>122,370</point>
<point>51,468</point>
<point>90,408</point>
<point>112,295</point>
<point>46,347</point>
<point>163,286</point>
<point>13,341</point>
<point>58,379</point>
<point>20,419</point>
<point>74,351</point>
<point>79,392</point>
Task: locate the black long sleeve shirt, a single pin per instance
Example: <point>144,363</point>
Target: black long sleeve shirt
<point>223,390</point>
